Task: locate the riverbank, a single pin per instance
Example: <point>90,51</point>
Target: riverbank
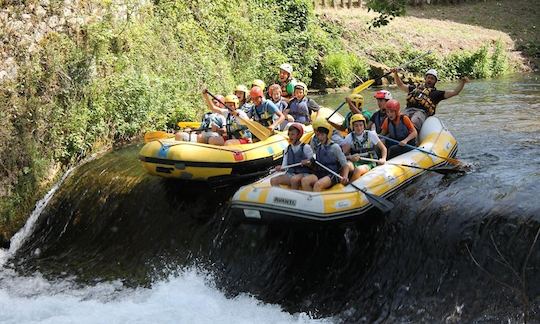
<point>82,76</point>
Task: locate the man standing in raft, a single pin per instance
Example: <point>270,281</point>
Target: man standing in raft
<point>422,99</point>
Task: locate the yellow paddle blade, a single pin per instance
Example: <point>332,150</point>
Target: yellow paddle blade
<point>307,138</point>
<point>256,129</point>
<point>189,124</point>
<point>363,86</point>
<point>155,135</point>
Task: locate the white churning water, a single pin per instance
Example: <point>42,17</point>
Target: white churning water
<point>187,298</point>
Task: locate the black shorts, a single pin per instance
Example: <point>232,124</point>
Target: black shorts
<point>322,174</point>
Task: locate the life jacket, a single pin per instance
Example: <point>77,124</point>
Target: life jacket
<point>421,98</point>
<point>211,118</point>
<point>296,111</point>
<point>326,158</point>
<point>235,130</point>
<point>362,144</point>
<point>399,132</point>
<point>378,120</point>
<point>264,118</point>
<point>246,107</point>
<point>293,158</point>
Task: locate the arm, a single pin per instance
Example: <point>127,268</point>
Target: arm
<point>278,121</point>
<point>399,83</point>
<point>412,131</point>
<point>336,126</point>
<point>209,103</point>
<point>457,90</point>
<point>352,107</point>
<point>384,152</point>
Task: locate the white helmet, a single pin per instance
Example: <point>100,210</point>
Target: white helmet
<point>432,72</point>
<point>286,67</point>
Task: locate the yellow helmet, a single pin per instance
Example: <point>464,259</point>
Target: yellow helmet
<point>232,98</point>
<point>241,88</point>
<point>357,99</point>
<point>321,122</point>
<point>355,118</point>
<point>258,83</point>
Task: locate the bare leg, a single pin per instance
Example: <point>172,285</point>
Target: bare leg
<point>360,171</point>
<point>322,183</point>
<point>216,140</point>
<point>280,180</point>
<point>296,180</point>
<point>308,182</point>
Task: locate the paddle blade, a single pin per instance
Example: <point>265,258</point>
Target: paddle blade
<point>363,86</point>
<point>447,170</point>
<point>156,135</point>
<point>256,129</point>
<point>378,202</point>
<point>452,161</point>
<point>189,124</point>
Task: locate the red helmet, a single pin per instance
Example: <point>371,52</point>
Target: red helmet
<point>393,104</point>
<point>256,92</point>
<point>299,127</point>
<point>383,94</point>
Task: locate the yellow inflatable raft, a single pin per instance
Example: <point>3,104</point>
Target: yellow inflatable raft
<point>260,202</point>
<point>202,162</point>
<point>165,157</point>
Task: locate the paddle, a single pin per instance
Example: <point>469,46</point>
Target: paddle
<point>254,127</point>
<point>356,90</point>
<point>377,201</point>
<point>449,159</point>
<point>442,170</point>
<point>189,124</point>
<point>368,83</point>
<point>287,167</point>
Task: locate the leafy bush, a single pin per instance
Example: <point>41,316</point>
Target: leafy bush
<point>340,69</point>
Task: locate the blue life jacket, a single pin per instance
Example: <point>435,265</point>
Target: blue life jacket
<point>296,158</point>
<point>299,110</point>
<point>398,133</point>
<point>326,158</point>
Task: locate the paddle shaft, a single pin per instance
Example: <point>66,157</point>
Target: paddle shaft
<point>451,160</point>
<point>370,82</point>
<point>379,202</point>
<point>398,164</point>
<point>289,166</point>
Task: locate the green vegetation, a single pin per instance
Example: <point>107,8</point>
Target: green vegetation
<point>135,67</point>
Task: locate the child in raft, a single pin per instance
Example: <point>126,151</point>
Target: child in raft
<point>296,152</point>
<point>211,130</point>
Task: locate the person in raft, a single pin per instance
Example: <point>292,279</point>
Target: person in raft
<point>264,110</point>
<point>422,99</point>
<point>212,128</point>
<point>236,132</point>
<point>276,96</point>
<point>286,81</point>
<point>241,91</point>
<point>361,143</point>
<point>398,127</point>
<point>356,106</point>
<point>296,152</point>
<point>328,154</point>
<point>376,120</point>
<point>298,106</point>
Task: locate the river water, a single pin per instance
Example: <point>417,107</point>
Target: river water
<point>111,244</point>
